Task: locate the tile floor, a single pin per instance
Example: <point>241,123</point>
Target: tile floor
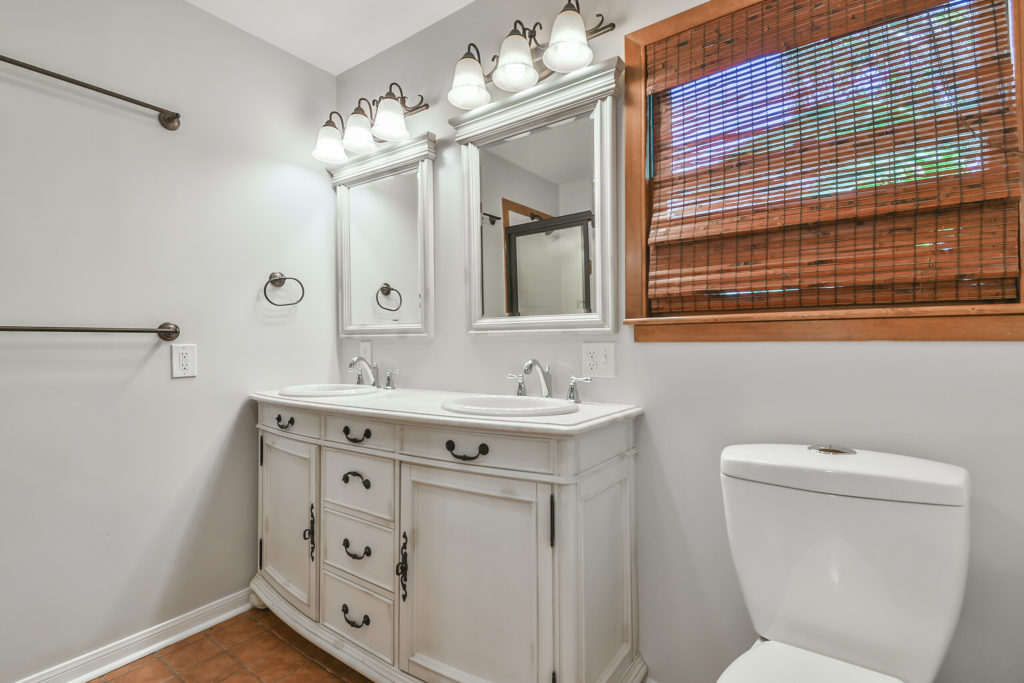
<point>254,646</point>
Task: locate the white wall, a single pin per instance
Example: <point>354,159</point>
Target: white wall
<point>955,402</point>
<point>127,498</point>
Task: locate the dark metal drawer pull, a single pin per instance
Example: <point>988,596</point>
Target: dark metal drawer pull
<point>366,551</point>
<point>354,624</point>
<point>366,435</point>
<point>285,425</point>
<point>353,473</point>
<point>482,449</point>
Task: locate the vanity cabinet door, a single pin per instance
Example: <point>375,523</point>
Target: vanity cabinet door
<point>288,534</point>
<point>476,604</point>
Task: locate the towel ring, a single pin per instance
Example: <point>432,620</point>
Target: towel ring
<point>278,280</point>
<point>386,290</point>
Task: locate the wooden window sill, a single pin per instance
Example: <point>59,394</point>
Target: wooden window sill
<point>994,322</point>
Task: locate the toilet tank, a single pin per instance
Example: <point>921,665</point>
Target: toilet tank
<point>859,555</point>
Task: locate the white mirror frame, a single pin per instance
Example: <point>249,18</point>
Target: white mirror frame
<point>414,154</point>
<point>557,98</point>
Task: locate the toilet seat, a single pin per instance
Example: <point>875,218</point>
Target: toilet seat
<point>773,662</point>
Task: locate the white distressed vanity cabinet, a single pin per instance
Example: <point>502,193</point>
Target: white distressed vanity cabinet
<point>417,544</point>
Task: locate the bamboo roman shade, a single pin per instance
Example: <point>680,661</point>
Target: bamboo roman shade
<point>820,153</point>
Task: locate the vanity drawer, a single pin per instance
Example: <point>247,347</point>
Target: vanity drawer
<point>290,421</point>
<point>359,615</point>
<point>475,448</point>
<point>344,430</point>
<point>370,550</point>
<point>364,483</point>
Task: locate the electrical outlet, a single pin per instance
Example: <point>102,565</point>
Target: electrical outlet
<point>599,359</point>
<point>366,351</point>
<point>183,360</point>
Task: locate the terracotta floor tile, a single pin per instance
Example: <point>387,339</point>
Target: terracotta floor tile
<point>279,664</point>
<point>153,672</point>
<point>180,644</point>
<point>310,673</point>
<point>130,666</point>
<point>228,623</point>
<point>238,632</point>
<point>212,670</point>
<point>242,677</point>
<point>329,662</point>
<point>266,617</point>
<point>255,649</point>
<point>187,657</point>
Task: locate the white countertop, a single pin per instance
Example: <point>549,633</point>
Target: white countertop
<point>420,406</point>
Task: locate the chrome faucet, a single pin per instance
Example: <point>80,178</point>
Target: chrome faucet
<point>359,372</point>
<point>543,375</point>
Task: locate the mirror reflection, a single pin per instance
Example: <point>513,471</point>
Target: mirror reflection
<point>384,250</point>
<point>537,221</point>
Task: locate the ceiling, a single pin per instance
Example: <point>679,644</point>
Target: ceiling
<point>334,35</point>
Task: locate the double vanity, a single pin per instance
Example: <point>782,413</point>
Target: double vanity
<point>416,541</point>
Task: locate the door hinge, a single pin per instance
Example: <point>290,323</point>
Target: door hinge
<point>261,450</point>
<point>552,520</point>
<point>310,534</point>
<point>261,554</point>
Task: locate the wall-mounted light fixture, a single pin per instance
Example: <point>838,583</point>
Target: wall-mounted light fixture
<point>515,64</point>
<point>382,119</point>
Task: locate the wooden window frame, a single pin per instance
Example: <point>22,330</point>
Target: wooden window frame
<point>964,322</point>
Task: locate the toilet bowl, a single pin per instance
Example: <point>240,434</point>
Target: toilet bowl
<point>852,563</point>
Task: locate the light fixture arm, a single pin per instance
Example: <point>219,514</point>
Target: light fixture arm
<point>469,52</point>
<point>403,100</point>
<point>330,120</point>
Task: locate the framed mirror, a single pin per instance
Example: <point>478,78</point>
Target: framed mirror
<point>385,240</point>
<point>539,189</point>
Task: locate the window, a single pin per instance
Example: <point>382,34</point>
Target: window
<point>839,170</point>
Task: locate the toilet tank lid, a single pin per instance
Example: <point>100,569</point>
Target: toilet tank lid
<point>863,474</point>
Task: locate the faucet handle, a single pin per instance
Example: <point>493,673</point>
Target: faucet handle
<point>521,386</point>
<point>388,382</point>
<point>574,392</point>
<point>359,374</point>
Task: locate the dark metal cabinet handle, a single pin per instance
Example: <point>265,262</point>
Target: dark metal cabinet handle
<point>285,425</point>
<point>353,473</point>
<point>354,624</point>
<point>310,534</point>
<point>402,568</point>
<point>366,551</point>
<point>366,435</point>
<point>482,449</point>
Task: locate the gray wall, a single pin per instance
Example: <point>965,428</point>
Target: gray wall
<point>126,498</point>
<point>955,402</point>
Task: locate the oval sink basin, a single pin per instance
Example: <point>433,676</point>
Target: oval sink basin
<point>510,406</point>
<point>326,390</point>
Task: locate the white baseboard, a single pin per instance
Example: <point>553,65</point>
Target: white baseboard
<point>109,657</point>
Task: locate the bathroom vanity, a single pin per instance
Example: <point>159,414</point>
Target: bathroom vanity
<point>415,543</point>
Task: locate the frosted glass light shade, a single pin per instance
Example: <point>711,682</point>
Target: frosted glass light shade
<point>358,138</point>
<point>568,49</point>
<point>515,70</point>
<point>469,90</point>
<point>329,149</point>
<point>389,124</point>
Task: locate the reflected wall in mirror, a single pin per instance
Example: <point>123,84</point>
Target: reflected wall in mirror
<point>539,182</point>
<point>385,241</point>
<point>533,262</point>
<point>384,250</point>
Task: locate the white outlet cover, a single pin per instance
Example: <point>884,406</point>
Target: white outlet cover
<point>183,361</point>
<point>598,359</point>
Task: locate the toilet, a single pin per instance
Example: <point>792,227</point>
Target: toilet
<point>852,563</point>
